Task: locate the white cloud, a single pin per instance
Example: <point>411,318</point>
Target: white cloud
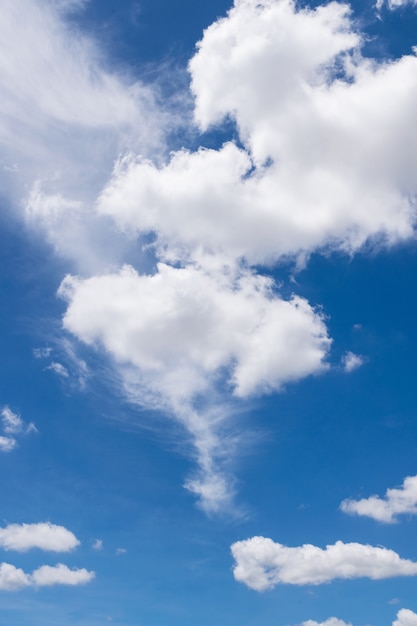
<point>272,68</point>
<point>13,425</point>
<point>332,621</point>
<point>63,102</point>
<point>394,4</point>
<point>352,361</point>
<point>182,328</point>
<point>58,368</point>
<point>396,502</point>
<point>45,536</point>
<point>60,574</point>
<point>405,617</point>
<point>12,422</point>
<point>98,544</point>
<point>13,579</point>
<point>121,551</point>
<point>7,444</point>
<point>262,564</point>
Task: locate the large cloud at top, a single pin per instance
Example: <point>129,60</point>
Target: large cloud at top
<point>319,165</point>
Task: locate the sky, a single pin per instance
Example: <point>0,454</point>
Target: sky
<point>208,261</point>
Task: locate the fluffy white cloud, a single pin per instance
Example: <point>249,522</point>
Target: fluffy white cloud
<point>319,165</point>
<point>396,502</point>
<point>60,574</point>
<point>262,564</point>
<point>332,621</point>
<point>13,578</point>
<point>45,536</point>
<point>405,617</point>
<point>181,328</point>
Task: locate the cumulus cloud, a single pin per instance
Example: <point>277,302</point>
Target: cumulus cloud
<point>60,574</point>
<point>405,617</point>
<point>45,536</point>
<point>181,328</point>
<point>307,107</point>
<point>262,564</point>
<point>13,578</point>
<point>397,501</point>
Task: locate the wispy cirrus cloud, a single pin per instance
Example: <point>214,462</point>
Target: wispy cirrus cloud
<point>13,425</point>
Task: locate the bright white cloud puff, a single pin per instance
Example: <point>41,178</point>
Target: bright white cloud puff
<point>396,502</point>
<point>405,617</point>
<point>44,536</point>
<point>262,564</point>
<point>14,579</point>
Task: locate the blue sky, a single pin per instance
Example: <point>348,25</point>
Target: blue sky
<point>208,258</point>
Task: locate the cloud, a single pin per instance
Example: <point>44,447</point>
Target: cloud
<point>405,617</point>
<point>12,422</point>
<point>396,502</point>
<point>13,425</point>
<point>13,578</point>
<point>332,621</point>
<point>262,564</point>
<point>121,551</point>
<point>98,544</point>
<point>45,536</point>
<point>307,108</point>
<point>352,361</point>
<point>393,5</point>
<point>64,101</point>
<point>184,329</point>
<point>7,444</point>
<point>59,369</point>
<point>60,574</point>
